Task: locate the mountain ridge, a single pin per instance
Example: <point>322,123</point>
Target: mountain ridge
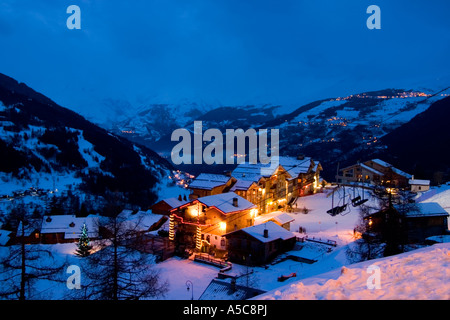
<point>44,138</point>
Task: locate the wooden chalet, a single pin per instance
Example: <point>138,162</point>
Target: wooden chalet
<point>140,222</point>
<point>207,184</point>
<point>279,217</point>
<point>272,187</point>
<point>429,219</point>
<point>374,171</point>
<point>203,222</point>
<point>29,232</point>
<point>259,244</point>
<point>419,185</point>
<point>67,228</point>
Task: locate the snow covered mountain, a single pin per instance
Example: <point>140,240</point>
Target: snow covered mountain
<point>334,130</point>
<point>48,147</point>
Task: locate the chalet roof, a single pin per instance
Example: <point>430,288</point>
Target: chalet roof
<point>419,182</point>
<point>224,202</point>
<point>294,166</point>
<point>249,172</point>
<point>208,181</point>
<point>427,209</point>
<point>362,165</point>
<point>388,165</point>
<point>174,202</point>
<point>242,185</point>
<point>141,220</point>
<point>70,225</point>
<point>223,290</point>
<point>279,216</point>
<point>275,232</point>
<point>254,172</point>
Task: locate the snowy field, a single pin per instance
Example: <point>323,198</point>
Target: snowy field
<point>422,274</point>
<point>418,274</point>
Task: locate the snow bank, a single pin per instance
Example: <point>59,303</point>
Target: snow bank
<point>422,274</point>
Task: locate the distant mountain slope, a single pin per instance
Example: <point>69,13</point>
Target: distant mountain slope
<point>39,138</point>
<point>335,130</point>
<point>421,146</point>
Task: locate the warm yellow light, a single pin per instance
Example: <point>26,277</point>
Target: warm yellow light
<point>171,228</point>
<point>223,226</point>
<point>198,240</point>
<point>253,212</point>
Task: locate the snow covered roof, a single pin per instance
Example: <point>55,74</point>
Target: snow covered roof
<point>419,182</point>
<point>242,185</point>
<point>224,202</point>
<point>295,167</point>
<point>141,220</point>
<point>388,165</point>
<point>429,209</point>
<point>362,165</point>
<point>279,216</point>
<point>209,181</point>
<point>223,290</point>
<point>70,225</point>
<point>249,172</point>
<point>253,172</point>
<point>174,202</point>
<point>275,232</point>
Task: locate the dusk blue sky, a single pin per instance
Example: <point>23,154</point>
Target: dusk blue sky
<point>225,52</point>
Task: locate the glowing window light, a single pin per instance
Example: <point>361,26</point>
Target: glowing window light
<point>223,226</point>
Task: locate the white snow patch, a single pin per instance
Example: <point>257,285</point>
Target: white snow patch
<point>422,274</point>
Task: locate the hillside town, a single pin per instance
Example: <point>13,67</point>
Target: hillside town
<point>246,151</point>
<point>259,216</point>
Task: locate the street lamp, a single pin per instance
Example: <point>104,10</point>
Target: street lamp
<point>189,285</point>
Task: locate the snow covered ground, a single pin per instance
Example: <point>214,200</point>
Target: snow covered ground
<point>418,274</point>
<point>422,274</point>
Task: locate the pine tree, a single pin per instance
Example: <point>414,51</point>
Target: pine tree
<point>84,247</point>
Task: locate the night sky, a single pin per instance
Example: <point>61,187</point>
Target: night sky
<point>227,52</point>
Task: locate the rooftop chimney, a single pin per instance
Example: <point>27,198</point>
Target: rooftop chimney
<point>266,233</point>
<point>235,202</point>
